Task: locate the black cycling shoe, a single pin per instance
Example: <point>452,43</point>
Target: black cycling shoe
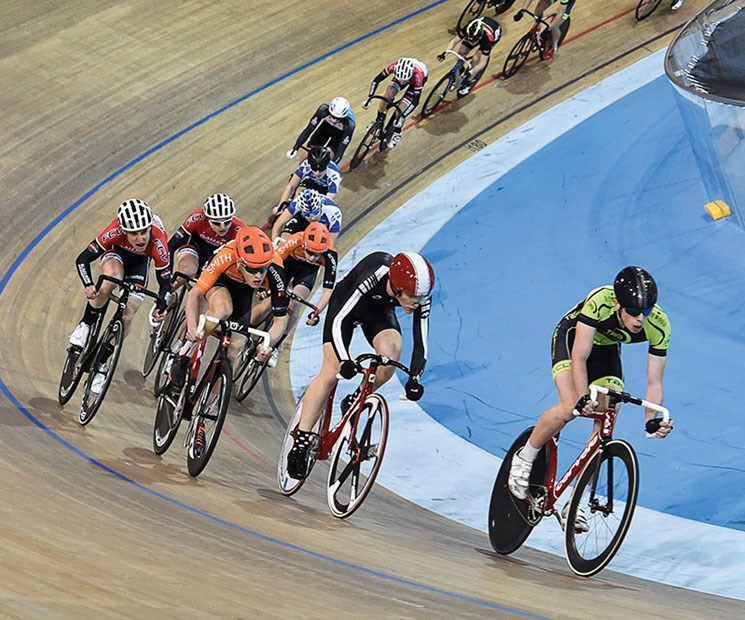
<point>347,401</point>
<point>298,458</point>
<point>179,368</point>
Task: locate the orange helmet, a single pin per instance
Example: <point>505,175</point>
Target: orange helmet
<point>316,238</point>
<point>254,247</point>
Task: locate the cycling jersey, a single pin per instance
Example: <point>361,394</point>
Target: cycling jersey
<point>361,298</point>
<point>222,270</point>
<point>490,35</point>
<point>328,131</point>
<point>327,183</point>
<point>298,268</point>
<point>197,235</point>
<point>330,217</point>
<point>114,240</point>
<point>413,87</point>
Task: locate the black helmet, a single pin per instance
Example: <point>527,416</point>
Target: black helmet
<point>318,158</point>
<point>635,288</point>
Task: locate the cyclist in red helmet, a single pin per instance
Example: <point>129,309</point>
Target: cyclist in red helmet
<point>228,283</point>
<point>368,296</point>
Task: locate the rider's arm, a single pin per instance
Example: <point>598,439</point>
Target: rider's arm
<point>180,238</point>
<point>84,260</point>
<point>280,302</point>
<point>377,80</point>
<point>583,341</point>
<point>655,370</point>
<point>421,333</point>
<point>320,113</point>
<point>290,188</point>
<point>191,308</point>
<point>280,222</point>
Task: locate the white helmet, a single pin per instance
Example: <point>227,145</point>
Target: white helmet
<point>339,107</point>
<point>219,207</point>
<point>134,215</point>
<point>310,203</point>
<point>404,69</point>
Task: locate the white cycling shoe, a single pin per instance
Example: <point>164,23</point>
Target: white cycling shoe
<point>79,336</point>
<point>580,520</point>
<point>519,478</point>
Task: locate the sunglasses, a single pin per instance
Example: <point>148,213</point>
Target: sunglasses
<point>638,311</point>
<point>314,254</point>
<point>255,270</point>
<point>222,223</point>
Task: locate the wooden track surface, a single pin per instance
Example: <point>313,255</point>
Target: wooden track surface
<point>93,523</point>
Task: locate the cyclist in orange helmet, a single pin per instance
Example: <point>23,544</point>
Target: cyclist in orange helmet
<point>228,283</point>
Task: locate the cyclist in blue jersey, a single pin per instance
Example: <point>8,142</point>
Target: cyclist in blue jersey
<point>309,206</point>
<point>317,172</point>
<point>331,126</point>
<point>558,25</point>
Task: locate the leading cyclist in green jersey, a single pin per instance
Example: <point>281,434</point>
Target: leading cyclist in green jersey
<point>586,348</point>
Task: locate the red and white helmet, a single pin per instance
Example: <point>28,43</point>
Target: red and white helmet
<point>411,272</point>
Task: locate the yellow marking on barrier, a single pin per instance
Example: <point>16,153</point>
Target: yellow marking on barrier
<point>718,209</point>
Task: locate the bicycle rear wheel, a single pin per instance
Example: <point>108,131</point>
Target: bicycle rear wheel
<point>164,367</point>
<point>167,420</point>
<point>510,519</point>
<point>645,8</point>
<point>606,493</point>
<point>250,378</point>
<point>162,336</point>
<point>518,55</point>
<point>472,10</point>
<point>368,141</point>
<point>244,358</point>
<point>72,372</point>
<point>105,360</point>
<point>437,94</point>
<point>209,412</point>
<point>357,457</point>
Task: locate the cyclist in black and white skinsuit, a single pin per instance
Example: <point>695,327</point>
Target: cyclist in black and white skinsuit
<point>368,296</point>
<point>331,127</point>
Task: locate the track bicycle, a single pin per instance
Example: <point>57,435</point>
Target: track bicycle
<point>163,335</point>
<point>475,9</point>
<point>99,355</point>
<point>450,82</point>
<point>537,39</point>
<point>204,401</point>
<point>252,368</point>
<point>599,512</point>
<point>379,132</point>
<point>356,443</point>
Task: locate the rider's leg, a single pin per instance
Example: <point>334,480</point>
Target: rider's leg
<point>187,261</point>
<point>388,343</point>
<point>319,389</point>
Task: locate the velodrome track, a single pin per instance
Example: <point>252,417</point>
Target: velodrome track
<point>93,523</point>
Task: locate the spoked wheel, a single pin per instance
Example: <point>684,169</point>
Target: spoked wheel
<point>250,378</point>
<point>164,367</point>
<point>645,8</point>
<point>105,360</point>
<point>160,338</point>
<point>357,458</point>
<point>287,484</point>
<point>72,372</point>
<point>438,93</point>
<point>208,417</point>
<point>368,141</point>
<point>167,419</point>
<point>601,508</point>
<point>510,519</point>
<point>244,358</point>
<point>473,9</point>
<point>518,55</point>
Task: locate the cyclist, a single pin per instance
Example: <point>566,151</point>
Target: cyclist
<point>483,33</point>
<point>408,73</point>
<point>586,348</point>
<point>367,296</point>
<point>203,232</point>
<point>125,248</point>
<point>317,172</point>
<point>309,206</point>
<point>228,283</point>
<point>331,127</point>
<point>558,25</point>
<point>302,255</point>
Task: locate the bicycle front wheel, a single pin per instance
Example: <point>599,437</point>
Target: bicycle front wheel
<point>369,139</point>
<point>72,372</point>
<point>518,55</point>
<point>166,360</point>
<point>511,520</point>
<point>473,9</point>
<point>357,457</point>
<point>645,8</point>
<point>209,416</point>
<point>161,337</point>
<point>251,377</point>
<point>437,95</point>
<point>105,361</point>
<point>601,508</point>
